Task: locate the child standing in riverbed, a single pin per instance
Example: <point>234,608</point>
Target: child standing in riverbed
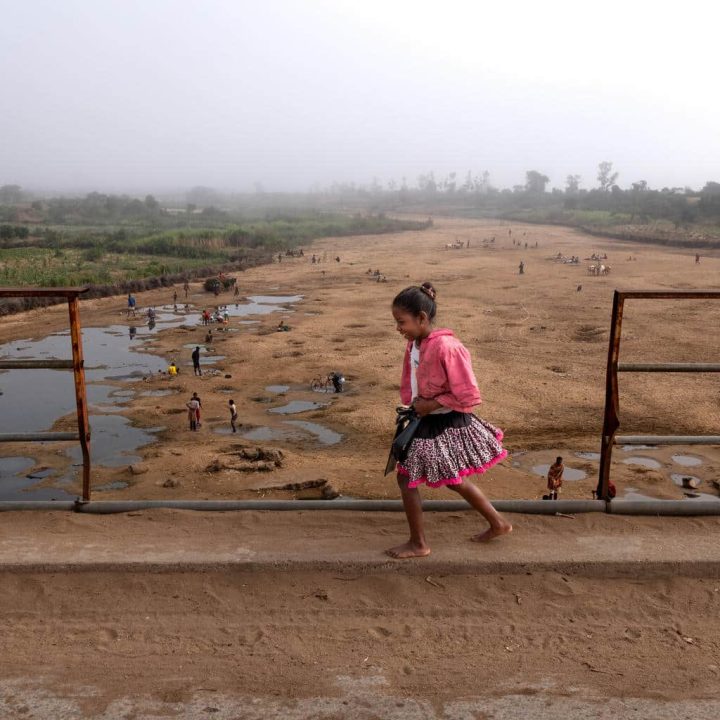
<point>450,443</point>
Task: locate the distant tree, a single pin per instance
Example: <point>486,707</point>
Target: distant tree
<point>606,177</point>
<point>10,194</point>
<point>202,196</point>
<point>572,184</point>
<point>711,188</point>
<point>426,183</point>
<point>450,183</point>
<point>151,204</point>
<point>468,185</point>
<point>190,208</point>
<point>535,182</point>
<point>640,186</point>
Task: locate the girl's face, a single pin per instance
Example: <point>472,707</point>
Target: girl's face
<point>411,327</point>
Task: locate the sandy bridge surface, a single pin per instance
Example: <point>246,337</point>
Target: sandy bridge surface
<point>165,614</point>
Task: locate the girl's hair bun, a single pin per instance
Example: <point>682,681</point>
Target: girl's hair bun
<point>416,299</point>
<point>429,290</point>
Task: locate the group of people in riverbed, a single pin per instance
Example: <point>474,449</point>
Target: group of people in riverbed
<point>194,406</point>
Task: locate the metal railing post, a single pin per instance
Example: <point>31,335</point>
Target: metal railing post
<point>611,421</point>
<point>80,394</point>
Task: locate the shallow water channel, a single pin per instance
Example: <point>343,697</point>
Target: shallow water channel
<point>33,400</point>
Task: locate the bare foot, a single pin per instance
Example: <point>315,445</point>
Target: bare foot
<point>493,532</point>
<point>408,550</point>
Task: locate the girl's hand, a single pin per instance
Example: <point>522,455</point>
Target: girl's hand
<point>424,406</point>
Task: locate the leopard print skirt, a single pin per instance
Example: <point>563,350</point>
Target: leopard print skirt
<point>446,448</point>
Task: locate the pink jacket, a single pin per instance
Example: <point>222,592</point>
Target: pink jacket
<point>445,373</point>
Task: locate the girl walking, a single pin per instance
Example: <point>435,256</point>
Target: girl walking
<point>450,443</point>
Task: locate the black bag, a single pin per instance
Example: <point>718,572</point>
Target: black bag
<point>407,422</point>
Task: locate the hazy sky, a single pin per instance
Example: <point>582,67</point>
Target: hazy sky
<point>154,95</point>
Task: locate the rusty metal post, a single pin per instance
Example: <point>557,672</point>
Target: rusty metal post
<point>80,394</point>
<point>611,421</point>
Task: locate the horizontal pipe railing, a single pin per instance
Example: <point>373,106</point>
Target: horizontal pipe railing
<point>39,437</point>
<point>667,440</point>
<point>64,292</point>
<point>668,294</point>
<point>534,507</point>
<point>669,367</point>
<point>51,363</point>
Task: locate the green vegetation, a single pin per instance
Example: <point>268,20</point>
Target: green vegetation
<point>113,241</point>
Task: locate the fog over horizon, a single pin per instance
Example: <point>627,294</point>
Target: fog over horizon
<point>159,96</point>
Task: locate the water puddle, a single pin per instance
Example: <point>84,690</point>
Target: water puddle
<point>633,448</point>
<point>568,474</point>
<point>113,441</point>
<point>686,481</point>
<point>687,460</point>
<point>264,434</point>
<point>275,299</point>
<point>588,455</point>
<point>296,406</point>
<point>645,462</point>
<point>277,388</point>
<point>35,399</point>
<point>324,435</point>
<point>114,485</point>
<point>16,485</point>
<point>632,494</point>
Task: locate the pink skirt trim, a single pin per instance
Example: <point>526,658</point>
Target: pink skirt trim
<point>455,480</point>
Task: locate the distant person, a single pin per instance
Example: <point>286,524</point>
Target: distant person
<point>279,257</point>
<point>337,259</point>
<point>554,478</point>
<point>579,288</point>
<point>521,268</point>
<point>338,380</point>
<point>236,292</point>
<point>193,407</point>
<point>172,369</point>
<point>233,414</point>
<point>199,407</point>
<point>131,305</point>
<point>697,258</point>
<point>196,361</point>
<point>208,337</point>
<point>283,326</point>
<point>175,297</point>
<point>186,288</point>
<point>133,332</point>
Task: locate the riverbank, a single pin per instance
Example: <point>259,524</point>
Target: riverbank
<point>538,343</point>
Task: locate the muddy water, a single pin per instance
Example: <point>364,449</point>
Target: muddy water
<point>35,399</point>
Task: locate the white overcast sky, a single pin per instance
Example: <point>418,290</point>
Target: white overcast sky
<point>159,95</point>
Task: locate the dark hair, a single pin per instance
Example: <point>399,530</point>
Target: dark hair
<point>558,459</point>
<point>416,299</point>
